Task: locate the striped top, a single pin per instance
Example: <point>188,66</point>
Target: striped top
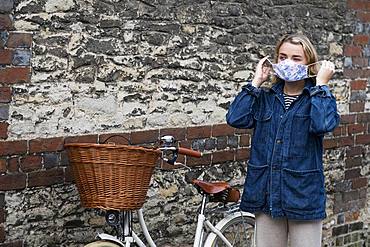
<point>289,99</point>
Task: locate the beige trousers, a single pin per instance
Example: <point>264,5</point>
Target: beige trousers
<point>281,232</point>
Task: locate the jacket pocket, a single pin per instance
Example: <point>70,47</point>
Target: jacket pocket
<point>303,190</point>
<point>255,186</point>
<point>299,135</point>
<point>262,126</point>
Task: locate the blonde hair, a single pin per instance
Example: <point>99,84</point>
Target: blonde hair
<point>308,49</point>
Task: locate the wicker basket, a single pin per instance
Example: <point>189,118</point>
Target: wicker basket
<point>112,176</point>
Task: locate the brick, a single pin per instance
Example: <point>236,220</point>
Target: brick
<point>359,183</point>
<point>4,112</point>
<point>346,119</point>
<point>223,156</point>
<point>6,6</point>
<point>330,143</point>
<point>363,117</point>
<point>353,151</point>
<point>69,175</point>
<point>353,173</point>
<point>361,39</point>
<point>146,136</point>
<point>221,142</point>
<point>46,145</point>
<point>21,58</point>
<point>358,4</point>
<point>46,178</point>
<point>345,141</point>
<point>5,94</point>
<point>359,85</point>
<point>51,160</point>
<point>353,73</point>
<point>2,234</point>
<point>13,147</point>
<point>64,160</point>
<point>353,162</point>
<point>2,215</point>
<point>3,166</point>
<point>363,16</point>
<point>17,243</point>
<point>360,62</point>
<point>233,141</point>
<point>352,51</point>
<point>178,133</point>
<point>350,195</point>
<point>6,22</point>
<point>19,40</point>
<point>244,140</point>
<point>13,164</point>
<point>82,139</point>
<point>202,161</point>
<point>210,144</point>
<point>363,139</point>
<point>198,132</point>
<point>242,154</point>
<point>356,128</point>
<point>14,181</point>
<point>31,163</point>
<point>6,56</point>
<point>2,200</point>
<point>222,130</point>
<point>243,131</point>
<point>15,75</point>
<point>4,130</point>
<point>357,107</point>
<point>339,131</point>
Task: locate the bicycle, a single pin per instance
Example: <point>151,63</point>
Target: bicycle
<point>235,229</point>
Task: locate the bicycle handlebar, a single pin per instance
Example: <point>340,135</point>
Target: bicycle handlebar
<point>190,152</point>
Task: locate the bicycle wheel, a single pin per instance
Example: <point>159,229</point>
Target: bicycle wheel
<point>238,229</point>
<point>102,243</point>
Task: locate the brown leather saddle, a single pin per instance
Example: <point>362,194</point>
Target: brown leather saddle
<point>218,191</point>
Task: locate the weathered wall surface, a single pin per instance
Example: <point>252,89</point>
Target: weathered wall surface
<point>77,70</point>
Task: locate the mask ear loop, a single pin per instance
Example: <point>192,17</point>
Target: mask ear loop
<point>269,64</point>
<point>309,71</point>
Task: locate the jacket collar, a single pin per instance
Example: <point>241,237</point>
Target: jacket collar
<point>279,86</point>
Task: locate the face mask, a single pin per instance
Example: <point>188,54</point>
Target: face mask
<point>290,71</point>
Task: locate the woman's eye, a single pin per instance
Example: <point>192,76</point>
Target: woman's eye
<point>282,58</point>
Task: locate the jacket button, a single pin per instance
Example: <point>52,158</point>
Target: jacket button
<point>279,141</point>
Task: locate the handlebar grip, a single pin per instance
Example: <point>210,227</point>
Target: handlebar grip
<point>190,152</point>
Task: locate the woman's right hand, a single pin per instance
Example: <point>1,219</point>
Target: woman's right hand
<point>262,73</point>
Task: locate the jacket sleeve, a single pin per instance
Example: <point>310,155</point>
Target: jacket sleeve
<point>324,115</point>
<point>240,114</point>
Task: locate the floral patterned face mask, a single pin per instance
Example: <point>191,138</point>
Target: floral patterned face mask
<point>290,71</point>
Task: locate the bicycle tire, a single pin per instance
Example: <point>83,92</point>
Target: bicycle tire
<point>238,228</point>
<point>102,243</point>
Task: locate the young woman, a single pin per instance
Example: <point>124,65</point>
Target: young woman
<point>285,185</point>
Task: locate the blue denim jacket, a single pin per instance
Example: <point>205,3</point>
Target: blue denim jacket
<point>285,172</point>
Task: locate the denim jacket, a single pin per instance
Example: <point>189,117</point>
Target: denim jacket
<point>285,172</point>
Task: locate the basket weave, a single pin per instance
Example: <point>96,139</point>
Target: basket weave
<point>112,176</point>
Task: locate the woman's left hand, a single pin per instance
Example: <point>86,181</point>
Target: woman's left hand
<point>326,71</point>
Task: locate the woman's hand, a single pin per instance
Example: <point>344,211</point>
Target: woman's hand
<point>262,73</point>
<point>326,71</point>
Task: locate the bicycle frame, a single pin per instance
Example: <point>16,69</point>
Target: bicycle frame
<point>199,240</point>
<point>128,236</point>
